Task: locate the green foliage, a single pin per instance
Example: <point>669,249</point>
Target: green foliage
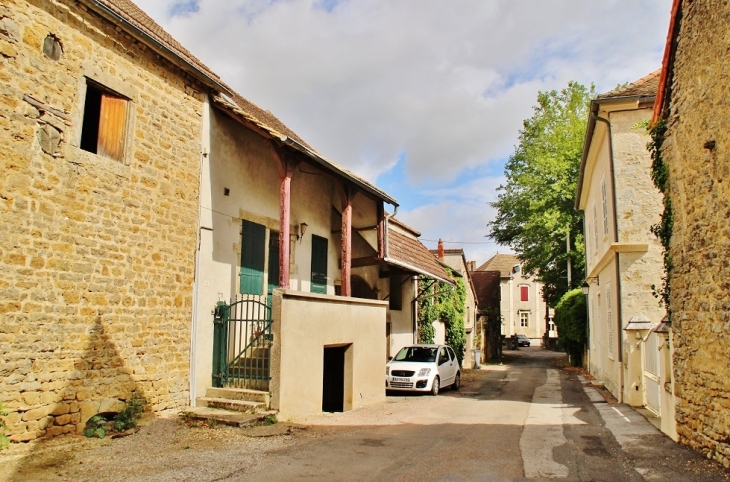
<point>662,230</point>
<point>448,305</point>
<point>535,208</point>
<point>269,420</point>
<point>571,318</point>
<point>4,440</point>
<point>130,414</point>
<point>96,427</point>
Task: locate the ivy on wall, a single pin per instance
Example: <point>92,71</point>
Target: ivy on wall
<point>449,306</point>
<point>662,230</point>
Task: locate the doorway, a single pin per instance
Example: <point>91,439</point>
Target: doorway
<point>333,379</point>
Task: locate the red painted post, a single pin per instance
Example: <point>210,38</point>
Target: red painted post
<point>346,289</point>
<point>284,220</point>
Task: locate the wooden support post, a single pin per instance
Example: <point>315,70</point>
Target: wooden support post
<point>286,166</point>
<point>346,288</point>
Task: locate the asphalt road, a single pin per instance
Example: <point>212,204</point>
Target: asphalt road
<point>526,420</point>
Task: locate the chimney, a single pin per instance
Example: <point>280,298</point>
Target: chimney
<point>441,250</point>
<point>472,265</point>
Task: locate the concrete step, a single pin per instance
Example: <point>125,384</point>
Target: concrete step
<point>225,417</point>
<point>239,394</point>
<point>242,406</point>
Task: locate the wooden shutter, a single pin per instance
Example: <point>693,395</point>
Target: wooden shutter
<point>253,244</point>
<point>524,293</point>
<point>273,262</point>
<point>112,122</point>
<point>319,265</point>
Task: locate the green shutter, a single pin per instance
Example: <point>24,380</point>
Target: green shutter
<point>319,265</point>
<point>273,262</point>
<point>253,244</point>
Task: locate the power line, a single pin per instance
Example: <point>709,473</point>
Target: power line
<point>457,242</point>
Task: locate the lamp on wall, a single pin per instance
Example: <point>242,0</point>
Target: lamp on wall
<point>585,287</point>
<point>302,230</point>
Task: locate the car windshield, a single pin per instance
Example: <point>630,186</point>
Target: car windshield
<point>417,354</point>
<point>521,336</point>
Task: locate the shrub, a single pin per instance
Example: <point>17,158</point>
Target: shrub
<point>572,322</point>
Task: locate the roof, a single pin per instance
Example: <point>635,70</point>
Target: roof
<point>411,255</point>
<point>644,89</point>
<point>131,18</point>
<point>266,121</point>
<point>502,263</point>
<point>667,61</point>
<point>645,86</point>
<point>404,226</point>
<point>486,288</point>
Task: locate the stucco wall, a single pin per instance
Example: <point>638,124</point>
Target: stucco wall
<point>511,304</point>
<point>699,179</point>
<point>303,325</point>
<point>97,254</point>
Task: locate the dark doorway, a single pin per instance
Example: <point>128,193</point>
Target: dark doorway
<point>333,379</point>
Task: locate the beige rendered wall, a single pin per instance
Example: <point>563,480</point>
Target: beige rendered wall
<point>97,255</point>
<point>511,305</point>
<point>304,324</point>
<point>700,194</point>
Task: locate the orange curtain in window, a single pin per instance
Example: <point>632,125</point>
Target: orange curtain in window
<point>112,121</point>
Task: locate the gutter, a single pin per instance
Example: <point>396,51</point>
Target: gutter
<point>139,34</point>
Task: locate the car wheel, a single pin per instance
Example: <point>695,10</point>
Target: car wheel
<point>435,387</point>
<point>457,381</point>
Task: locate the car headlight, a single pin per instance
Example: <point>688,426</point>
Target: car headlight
<point>424,372</point>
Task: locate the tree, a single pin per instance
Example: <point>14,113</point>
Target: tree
<point>441,301</point>
<point>571,318</point>
<point>535,213</point>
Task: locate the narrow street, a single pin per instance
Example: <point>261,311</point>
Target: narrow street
<point>525,420</point>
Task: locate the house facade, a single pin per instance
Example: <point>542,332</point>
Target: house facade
<point>692,100</point>
<point>100,124</point>
<point>456,260</point>
<point>520,301</point>
<point>623,257</point>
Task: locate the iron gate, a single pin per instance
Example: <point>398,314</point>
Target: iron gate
<point>242,341</point>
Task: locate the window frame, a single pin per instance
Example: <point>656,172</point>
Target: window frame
<point>112,116</point>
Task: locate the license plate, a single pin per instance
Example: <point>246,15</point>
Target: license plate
<point>401,379</point>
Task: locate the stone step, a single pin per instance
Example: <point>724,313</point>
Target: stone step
<point>242,406</point>
<point>225,417</point>
<point>239,394</point>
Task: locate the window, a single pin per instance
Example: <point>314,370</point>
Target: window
<point>105,119</point>
<point>319,265</point>
<point>524,293</point>
<point>524,319</point>
<point>609,320</point>
<point>273,270</point>
<point>604,199</point>
<point>253,245</point>
<point>595,229</point>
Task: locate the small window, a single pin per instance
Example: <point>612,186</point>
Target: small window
<point>105,119</point>
<point>524,319</point>
<point>319,265</point>
<point>524,293</point>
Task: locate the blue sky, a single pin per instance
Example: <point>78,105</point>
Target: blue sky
<point>425,98</point>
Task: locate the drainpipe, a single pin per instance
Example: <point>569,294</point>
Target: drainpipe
<point>385,230</point>
<point>618,258</point>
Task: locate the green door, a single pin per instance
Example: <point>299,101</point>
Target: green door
<point>273,264</point>
<point>253,242</point>
<point>319,265</point>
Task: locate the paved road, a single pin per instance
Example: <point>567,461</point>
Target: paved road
<point>527,420</point>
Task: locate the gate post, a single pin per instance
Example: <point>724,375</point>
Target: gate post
<point>220,322</point>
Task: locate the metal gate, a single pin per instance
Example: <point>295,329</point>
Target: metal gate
<point>652,382</point>
<point>242,341</point>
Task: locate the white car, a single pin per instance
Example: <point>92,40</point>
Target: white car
<point>423,368</point>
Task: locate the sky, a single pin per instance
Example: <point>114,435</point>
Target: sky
<point>424,98</point>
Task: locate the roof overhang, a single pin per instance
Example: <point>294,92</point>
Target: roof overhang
<point>414,269</point>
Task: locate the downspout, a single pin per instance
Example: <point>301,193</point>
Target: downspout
<point>385,231</point>
<point>618,258</point>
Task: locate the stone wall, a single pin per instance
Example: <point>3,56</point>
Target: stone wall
<point>699,189</point>
<point>96,255</point>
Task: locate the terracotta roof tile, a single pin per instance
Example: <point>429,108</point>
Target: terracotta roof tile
<point>486,287</point>
<point>502,263</point>
<point>646,86</point>
<point>407,251</point>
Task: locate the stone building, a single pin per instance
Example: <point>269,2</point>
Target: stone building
<point>521,304</point>
<point>693,99</point>
<point>623,258</point>
<point>100,121</point>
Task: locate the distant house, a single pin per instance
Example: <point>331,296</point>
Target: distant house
<point>456,260</point>
<point>693,100</point>
<point>521,305</point>
<point>488,337</point>
<point>623,258</point>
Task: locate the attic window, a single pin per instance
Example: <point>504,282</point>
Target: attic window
<point>105,119</point>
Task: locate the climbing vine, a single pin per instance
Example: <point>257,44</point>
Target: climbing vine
<point>438,302</point>
<point>662,230</point>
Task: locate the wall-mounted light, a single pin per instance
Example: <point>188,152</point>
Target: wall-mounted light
<point>586,286</point>
<point>302,230</point>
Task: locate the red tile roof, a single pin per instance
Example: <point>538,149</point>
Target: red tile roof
<point>486,288</point>
<point>645,86</point>
<point>410,254</point>
<point>502,263</point>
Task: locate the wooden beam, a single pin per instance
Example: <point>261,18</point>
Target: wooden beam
<point>349,193</point>
<point>365,261</point>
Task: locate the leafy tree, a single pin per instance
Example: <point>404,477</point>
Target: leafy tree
<point>440,301</point>
<point>535,213</point>
<point>571,318</point>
